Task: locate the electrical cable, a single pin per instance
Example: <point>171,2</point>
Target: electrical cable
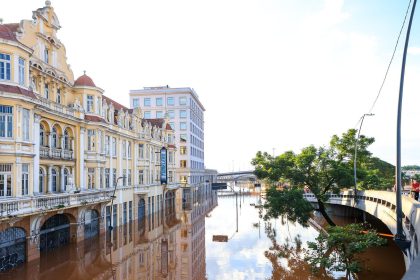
<point>389,64</point>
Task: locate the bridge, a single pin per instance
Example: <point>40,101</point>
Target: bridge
<point>382,205</point>
<point>236,176</point>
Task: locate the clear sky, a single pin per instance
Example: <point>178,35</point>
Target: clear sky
<point>279,74</point>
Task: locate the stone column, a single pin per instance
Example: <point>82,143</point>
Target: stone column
<point>82,159</point>
<point>63,187</point>
<point>49,178</point>
<point>36,147</point>
<point>62,145</point>
<point>17,191</point>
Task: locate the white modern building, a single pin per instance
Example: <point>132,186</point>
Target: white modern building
<point>186,116</point>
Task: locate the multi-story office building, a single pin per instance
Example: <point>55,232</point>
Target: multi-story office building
<point>64,146</point>
<point>186,116</point>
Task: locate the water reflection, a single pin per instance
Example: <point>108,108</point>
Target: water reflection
<point>161,246</point>
<point>275,249</point>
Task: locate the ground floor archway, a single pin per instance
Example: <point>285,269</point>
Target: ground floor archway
<point>91,223</point>
<point>54,233</point>
<point>12,248</point>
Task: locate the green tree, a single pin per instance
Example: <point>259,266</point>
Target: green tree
<point>323,170</point>
<point>338,250</point>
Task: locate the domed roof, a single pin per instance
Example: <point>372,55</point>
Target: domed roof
<point>84,81</point>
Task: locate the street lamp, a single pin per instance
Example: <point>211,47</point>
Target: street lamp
<point>400,237</point>
<point>112,199</point>
<point>355,154</point>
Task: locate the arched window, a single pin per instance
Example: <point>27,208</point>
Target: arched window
<point>141,216</point>
<point>41,180</point>
<point>66,140</point>
<point>54,179</point>
<point>42,135</point>
<point>54,137</point>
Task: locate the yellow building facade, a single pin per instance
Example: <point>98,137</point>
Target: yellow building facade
<point>64,146</point>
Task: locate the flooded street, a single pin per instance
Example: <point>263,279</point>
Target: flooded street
<point>202,244</point>
<point>268,250</point>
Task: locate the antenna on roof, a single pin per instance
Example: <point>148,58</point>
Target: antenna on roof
<point>84,72</point>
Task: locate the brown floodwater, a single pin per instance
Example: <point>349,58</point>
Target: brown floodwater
<point>254,249</point>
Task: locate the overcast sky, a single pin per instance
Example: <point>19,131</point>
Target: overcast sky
<point>279,74</point>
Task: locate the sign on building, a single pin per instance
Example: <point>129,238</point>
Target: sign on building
<point>163,166</point>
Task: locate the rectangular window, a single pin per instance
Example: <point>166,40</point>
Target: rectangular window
<point>124,177</point>
<point>171,157</point>
<point>91,140</point>
<point>21,71</point>
<point>25,178</point>
<point>183,126</point>
<point>170,176</point>
<point>5,66</point>
<point>58,96</point>
<point>135,102</point>
<point>6,121</point>
<point>124,149</point>
<point>159,101</point>
<point>107,144</point>
<point>130,210</point>
<point>182,101</point>
<point>147,115</point>
<point>46,57</point>
<point>183,163</point>
<point>183,114</point>
<point>170,101</point>
<point>114,146</point>
<point>141,151</point>
<point>114,176</point>
<point>25,124</point>
<point>46,91</point>
<point>147,102</point>
<point>141,177</point>
<point>124,212</point>
<point>159,114</point>
<point>129,149</point>
<point>5,180</point>
<point>183,138</point>
<point>183,150</point>
<point>89,103</point>
<point>171,114</point>
<point>107,178</point>
<point>91,178</point>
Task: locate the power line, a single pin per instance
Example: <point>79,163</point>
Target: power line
<point>389,64</point>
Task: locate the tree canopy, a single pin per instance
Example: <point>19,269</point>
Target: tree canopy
<point>322,170</point>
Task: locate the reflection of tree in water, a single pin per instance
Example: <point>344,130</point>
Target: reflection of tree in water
<point>287,259</point>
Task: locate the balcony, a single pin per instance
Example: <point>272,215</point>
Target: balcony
<point>31,205</point>
<point>55,107</point>
<point>55,153</point>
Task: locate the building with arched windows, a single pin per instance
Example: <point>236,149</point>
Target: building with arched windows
<point>66,149</point>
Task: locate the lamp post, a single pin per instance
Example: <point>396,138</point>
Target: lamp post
<point>112,199</point>
<point>400,237</point>
<point>355,155</point>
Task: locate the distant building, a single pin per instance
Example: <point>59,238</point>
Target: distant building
<point>185,113</point>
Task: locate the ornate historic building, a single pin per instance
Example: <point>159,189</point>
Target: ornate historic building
<point>64,146</point>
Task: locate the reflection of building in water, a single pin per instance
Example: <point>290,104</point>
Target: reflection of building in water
<point>197,202</point>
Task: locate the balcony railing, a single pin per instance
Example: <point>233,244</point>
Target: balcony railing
<point>55,153</point>
<point>56,107</point>
<point>23,206</point>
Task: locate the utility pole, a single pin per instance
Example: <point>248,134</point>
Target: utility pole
<point>355,155</point>
<point>400,237</point>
